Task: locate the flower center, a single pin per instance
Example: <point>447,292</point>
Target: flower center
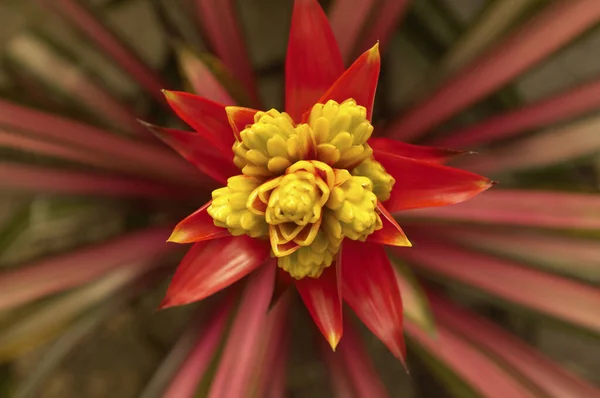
<point>305,187</point>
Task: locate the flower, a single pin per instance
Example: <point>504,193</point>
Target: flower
<point>515,244</point>
<point>312,189</point>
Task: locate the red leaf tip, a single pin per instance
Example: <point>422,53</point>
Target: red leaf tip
<point>334,339</point>
<point>373,53</point>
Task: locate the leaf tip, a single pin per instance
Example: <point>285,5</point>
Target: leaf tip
<point>333,339</point>
<point>373,53</point>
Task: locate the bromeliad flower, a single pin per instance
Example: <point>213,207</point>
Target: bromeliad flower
<point>308,187</point>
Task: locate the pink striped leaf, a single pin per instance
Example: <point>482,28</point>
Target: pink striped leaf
<point>557,297</point>
<point>138,157</point>
<point>348,19</point>
<point>461,359</point>
<point>548,31</point>
<point>234,373</point>
<point>18,177</point>
<point>555,145</point>
<point>516,207</point>
<point>59,273</point>
<point>569,104</point>
<point>201,78</point>
<point>219,22</point>
<point>575,257</point>
<point>353,358</point>
<point>512,353</point>
<point>88,24</point>
<point>386,18</point>
<point>186,381</point>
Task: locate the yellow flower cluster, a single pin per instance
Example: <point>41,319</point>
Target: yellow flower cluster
<point>304,187</point>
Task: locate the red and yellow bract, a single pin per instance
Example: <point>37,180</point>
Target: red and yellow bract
<point>362,275</point>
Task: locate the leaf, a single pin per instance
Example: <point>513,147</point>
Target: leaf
<point>210,266</point>
<point>424,184</point>
<point>569,256</point>
<point>45,64</point>
<point>59,273</point>
<point>511,353</point>
<point>200,150</point>
<point>13,227</point>
<point>220,25</point>
<point>557,297</point>
<point>105,39</point>
<point>552,146</point>
<point>18,177</point>
<point>348,19</point>
<point>313,61</point>
<point>565,105</point>
<point>197,227</point>
<point>323,299</point>
<point>201,78</point>
<point>358,82</point>
<point>424,153</point>
<point>545,33</point>
<point>60,349</point>
<point>458,356</point>
<point>359,367</point>
<point>200,353</point>
<point>414,301</point>
<point>234,373</point>
<point>373,293</point>
<point>133,156</point>
<point>522,208</point>
<point>53,317</point>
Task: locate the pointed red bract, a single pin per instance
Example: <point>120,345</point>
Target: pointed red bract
<point>359,81</point>
<point>391,234</point>
<point>203,115</point>
<point>370,288</point>
<point>197,227</point>
<point>211,266</point>
<point>199,150</point>
<point>239,117</point>
<point>313,60</point>
<point>323,299</point>
<point>424,184</point>
<point>423,153</point>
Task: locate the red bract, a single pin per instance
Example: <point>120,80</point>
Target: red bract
<point>362,275</point>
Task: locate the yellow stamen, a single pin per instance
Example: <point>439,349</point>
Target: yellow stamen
<point>382,181</point>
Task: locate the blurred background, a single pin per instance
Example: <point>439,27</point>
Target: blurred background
<point>98,334</point>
